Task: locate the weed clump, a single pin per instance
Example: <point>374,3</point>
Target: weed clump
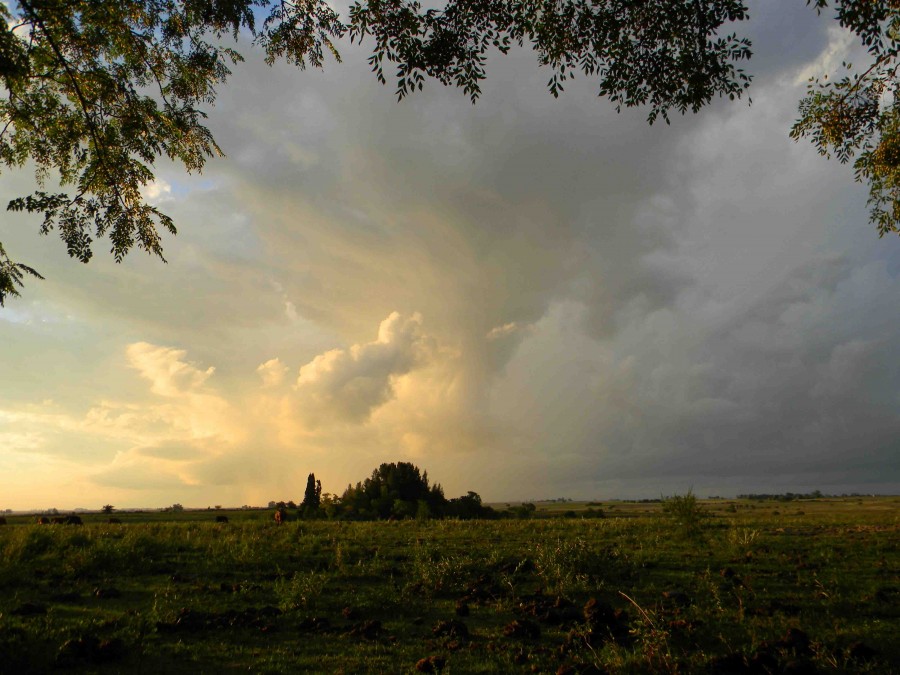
<point>686,512</point>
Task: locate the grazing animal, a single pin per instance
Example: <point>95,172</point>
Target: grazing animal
<point>58,520</point>
<point>221,519</point>
<point>281,516</point>
<point>43,520</point>
<point>114,521</point>
<point>2,520</point>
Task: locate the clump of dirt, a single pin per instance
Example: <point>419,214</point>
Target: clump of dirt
<point>454,628</point>
<point>482,590</point>
<point>796,642</point>
<point>604,623</point>
<point>552,611</point>
<point>431,664</point>
<point>369,630</point>
<point>522,629</point>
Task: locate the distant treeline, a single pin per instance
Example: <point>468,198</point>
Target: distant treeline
<point>793,496</point>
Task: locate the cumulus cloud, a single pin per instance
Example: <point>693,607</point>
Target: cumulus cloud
<point>350,383</point>
<point>163,366</point>
<point>272,372</point>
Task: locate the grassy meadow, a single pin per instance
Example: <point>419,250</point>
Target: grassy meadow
<point>808,586</point>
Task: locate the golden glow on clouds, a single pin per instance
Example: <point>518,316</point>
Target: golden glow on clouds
<point>347,385</point>
<point>272,372</point>
<point>169,375</point>
<point>379,398</point>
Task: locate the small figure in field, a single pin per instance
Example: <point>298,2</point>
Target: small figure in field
<point>280,515</point>
<point>114,521</point>
<point>2,520</point>
<point>43,520</point>
<point>221,519</point>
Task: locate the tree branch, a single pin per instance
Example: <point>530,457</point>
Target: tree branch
<point>86,108</point>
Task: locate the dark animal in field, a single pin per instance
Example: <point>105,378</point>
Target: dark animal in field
<point>221,519</point>
<point>2,520</point>
<point>66,520</point>
<point>114,521</point>
<point>281,516</point>
<point>43,520</point>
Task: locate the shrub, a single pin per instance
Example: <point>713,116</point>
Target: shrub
<point>686,511</point>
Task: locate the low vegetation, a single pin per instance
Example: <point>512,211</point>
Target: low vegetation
<point>811,586</point>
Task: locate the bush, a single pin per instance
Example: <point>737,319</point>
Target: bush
<point>686,511</point>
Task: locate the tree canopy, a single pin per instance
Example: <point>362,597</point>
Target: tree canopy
<point>395,490</point>
<point>97,91</point>
<point>401,490</point>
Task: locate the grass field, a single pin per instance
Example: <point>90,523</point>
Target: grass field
<point>749,587</point>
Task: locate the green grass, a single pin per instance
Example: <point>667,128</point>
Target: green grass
<point>180,593</point>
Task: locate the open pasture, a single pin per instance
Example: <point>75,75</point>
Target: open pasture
<point>756,587</point>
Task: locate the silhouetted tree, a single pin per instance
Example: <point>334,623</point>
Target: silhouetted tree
<point>393,490</point>
<point>468,507</point>
<point>312,498</point>
<point>109,508</point>
<point>311,507</point>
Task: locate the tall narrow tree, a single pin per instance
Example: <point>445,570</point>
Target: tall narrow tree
<point>313,495</point>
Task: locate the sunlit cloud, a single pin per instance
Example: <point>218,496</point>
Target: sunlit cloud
<point>157,191</point>
<point>272,372</point>
<point>506,329</point>
<point>348,384</point>
<point>168,374</point>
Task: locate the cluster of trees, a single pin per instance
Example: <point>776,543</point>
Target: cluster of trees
<point>393,491</point>
<point>98,91</point>
<point>790,496</point>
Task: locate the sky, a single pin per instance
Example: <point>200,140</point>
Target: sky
<point>529,298</point>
